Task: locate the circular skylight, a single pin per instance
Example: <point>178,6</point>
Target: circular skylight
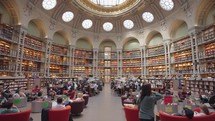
<point>87,24</point>
<point>148,17</point>
<point>108,3</point>
<point>107,26</point>
<point>128,24</point>
<point>49,4</point>
<point>167,4</point>
<point>67,16</point>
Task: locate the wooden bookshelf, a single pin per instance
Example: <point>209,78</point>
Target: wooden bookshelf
<point>135,71</point>
<point>34,55</point>
<point>155,61</point>
<point>7,31</point>
<point>13,83</point>
<point>201,86</point>
<point>182,43</point>
<point>208,34</point>
<point>131,62</point>
<point>59,49</point>
<point>34,43</point>
<point>156,71</point>
<point>158,60</point>
<point>131,53</point>
<point>156,50</point>
<point>206,49</point>
<point>83,62</point>
<point>185,68</point>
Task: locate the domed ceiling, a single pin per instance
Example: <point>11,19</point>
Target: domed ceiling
<point>114,16</point>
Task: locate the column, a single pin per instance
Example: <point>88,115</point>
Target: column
<point>165,54</point>
<point>193,54</point>
<point>167,57</point>
<point>72,60</point>
<point>143,61</point>
<point>197,54</point>
<point>47,56</point>
<point>119,62</point>
<point>95,62</point>
<point>194,47</point>
<point>20,50</point>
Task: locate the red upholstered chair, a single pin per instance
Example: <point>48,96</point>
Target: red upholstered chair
<point>77,107</point>
<point>168,99</point>
<point>131,114</point>
<point>72,94</point>
<point>197,109</point>
<point>59,114</point>
<point>168,117</point>
<point>86,98</point>
<point>20,116</point>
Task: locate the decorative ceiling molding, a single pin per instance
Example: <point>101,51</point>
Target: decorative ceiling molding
<point>187,9</point>
<point>114,11</point>
<point>28,9</point>
<point>52,24</point>
<point>77,20</point>
<point>157,12</point>
<point>58,10</point>
<point>11,8</point>
<point>96,38</point>
<point>138,21</point>
<point>163,25</point>
<point>97,25</point>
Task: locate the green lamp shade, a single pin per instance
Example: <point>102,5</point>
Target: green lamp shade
<point>45,104</point>
<point>17,101</point>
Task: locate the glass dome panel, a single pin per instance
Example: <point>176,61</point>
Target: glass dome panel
<point>67,16</point>
<point>87,24</point>
<point>148,17</point>
<point>107,26</point>
<point>167,4</point>
<point>49,4</point>
<point>128,24</point>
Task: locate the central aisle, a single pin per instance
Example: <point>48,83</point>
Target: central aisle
<point>105,106</point>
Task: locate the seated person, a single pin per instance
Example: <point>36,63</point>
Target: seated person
<point>68,100</point>
<point>203,98</point>
<point>212,101</point>
<point>79,97</point>
<point>52,93</point>
<point>22,94</point>
<point>3,100</point>
<point>202,110</point>
<point>60,104</point>
<point>10,108</point>
<point>36,89</point>
<point>185,112</point>
<point>7,93</point>
<point>182,94</point>
<point>130,99</point>
<point>16,94</point>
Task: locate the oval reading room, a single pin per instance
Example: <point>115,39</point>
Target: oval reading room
<point>107,60</point>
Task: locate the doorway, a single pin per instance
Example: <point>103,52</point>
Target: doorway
<point>107,57</point>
